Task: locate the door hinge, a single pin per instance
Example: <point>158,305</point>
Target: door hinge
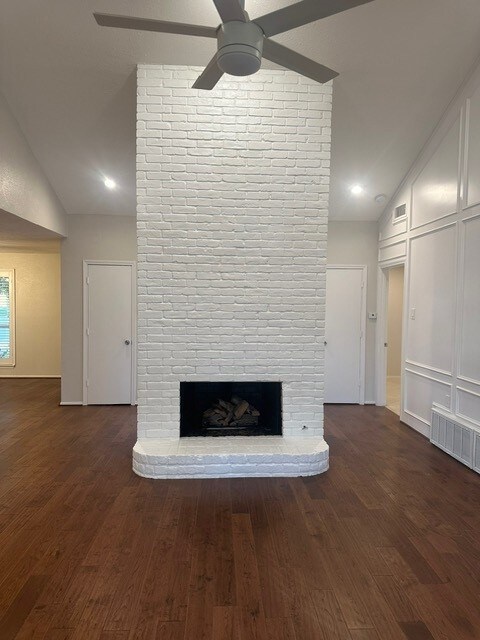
<point>87,331</point>
<point>87,383</point>
<point>87,280</point>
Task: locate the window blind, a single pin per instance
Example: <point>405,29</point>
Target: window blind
<point>6,346</point>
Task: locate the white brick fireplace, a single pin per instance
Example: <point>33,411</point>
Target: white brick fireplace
<point>232,191</point>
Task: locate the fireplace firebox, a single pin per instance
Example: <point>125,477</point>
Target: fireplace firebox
<point>230,409</point>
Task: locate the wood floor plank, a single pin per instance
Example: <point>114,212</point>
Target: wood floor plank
<point>226,623</point>
<point>281,629</point>
<point>416,631</point>
<point>331,623</point>
<point>13,619</point>
<point>384,546</point>
<point>248,588</point>
<point>172,630</point>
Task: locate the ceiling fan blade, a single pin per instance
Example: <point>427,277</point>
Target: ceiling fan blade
<point>231,10</point>
<point>159,26</point>
<point>210,76</point>
<point>296,15</point>
<point>296,62</point>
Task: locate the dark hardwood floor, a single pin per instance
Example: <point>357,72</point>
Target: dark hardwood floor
<point>384,546</point>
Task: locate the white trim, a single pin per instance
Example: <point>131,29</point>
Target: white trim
<point>363,325</point>
<point>466,205</point>
<point>412,414</point>
<point>468,218</point>
<point>11,377</point>
<point>457,405</point>
<point>391,237</point>
<point>416,423</point>
<point>459,120</point>
<point>78,403</point>
<point>441,372</point>
<point>464,159</point>
<point>460,302</point>
<point>413,236</point>
<point>475,383</point>
<point>133,266</point>
<point>397,256</point>
<point>427,377</point>
<point>456,226</point>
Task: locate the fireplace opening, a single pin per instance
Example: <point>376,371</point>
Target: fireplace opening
<point>230,409</point>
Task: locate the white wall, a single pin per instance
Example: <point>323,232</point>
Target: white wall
<point>440,241</point>
<point>356,243</point>
<point>90,237</point>
<point>37,307</point>
<point>395,320</point>
<point>24,188</point>
<point>232,225</point>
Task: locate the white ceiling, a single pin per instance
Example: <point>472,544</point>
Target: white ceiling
<point>71,85</point>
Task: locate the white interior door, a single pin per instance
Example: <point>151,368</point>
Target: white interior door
<point>344,335</point>
<point>109,333</point>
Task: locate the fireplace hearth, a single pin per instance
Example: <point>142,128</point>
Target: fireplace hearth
<point>230,409</point>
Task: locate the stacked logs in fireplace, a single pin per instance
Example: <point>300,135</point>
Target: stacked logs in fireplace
<point>235,414</point>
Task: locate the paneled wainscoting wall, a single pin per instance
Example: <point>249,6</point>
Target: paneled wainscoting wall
<point>438,239</point>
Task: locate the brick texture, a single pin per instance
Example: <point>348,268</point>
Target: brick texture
<point>232,224</point>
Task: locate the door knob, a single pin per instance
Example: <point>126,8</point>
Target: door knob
<point>127,342</point>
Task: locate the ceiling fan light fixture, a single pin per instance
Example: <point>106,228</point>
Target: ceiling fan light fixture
<point>240,47</point>
<point>238,60</point>
<point>241,43</point>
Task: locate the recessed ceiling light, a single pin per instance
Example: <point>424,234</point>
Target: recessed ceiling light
<point>381,198</point>
<point>357,189</point>
<point>109,183</point>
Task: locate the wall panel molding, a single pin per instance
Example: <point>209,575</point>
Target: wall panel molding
<point>435,190</point>
<point>393,251</point>
<point>443,266</point>
<point>425,384</point>
<point>426,367</point>
<point>468,405</point>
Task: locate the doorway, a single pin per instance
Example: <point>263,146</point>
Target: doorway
<point>345,325</point>
<point>396,277</point>
<point>109,333</point>
<point>391,286</point>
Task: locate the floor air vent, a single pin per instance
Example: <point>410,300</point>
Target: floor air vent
<point>456,437</point>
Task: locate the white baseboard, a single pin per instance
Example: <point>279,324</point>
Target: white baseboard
<point>33,377</point>
<point>77,403</point>
<point>416,423</point>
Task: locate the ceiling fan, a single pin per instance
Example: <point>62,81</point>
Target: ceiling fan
<point>243,42</point>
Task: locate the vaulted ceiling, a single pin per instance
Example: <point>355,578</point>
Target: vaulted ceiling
<point>71,85</point>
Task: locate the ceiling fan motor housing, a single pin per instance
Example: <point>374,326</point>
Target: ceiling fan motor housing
<point>240,47</point>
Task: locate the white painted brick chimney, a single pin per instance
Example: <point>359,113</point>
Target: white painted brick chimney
<point>232,192</point>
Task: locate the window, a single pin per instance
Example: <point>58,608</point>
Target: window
<point>7,319</point>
